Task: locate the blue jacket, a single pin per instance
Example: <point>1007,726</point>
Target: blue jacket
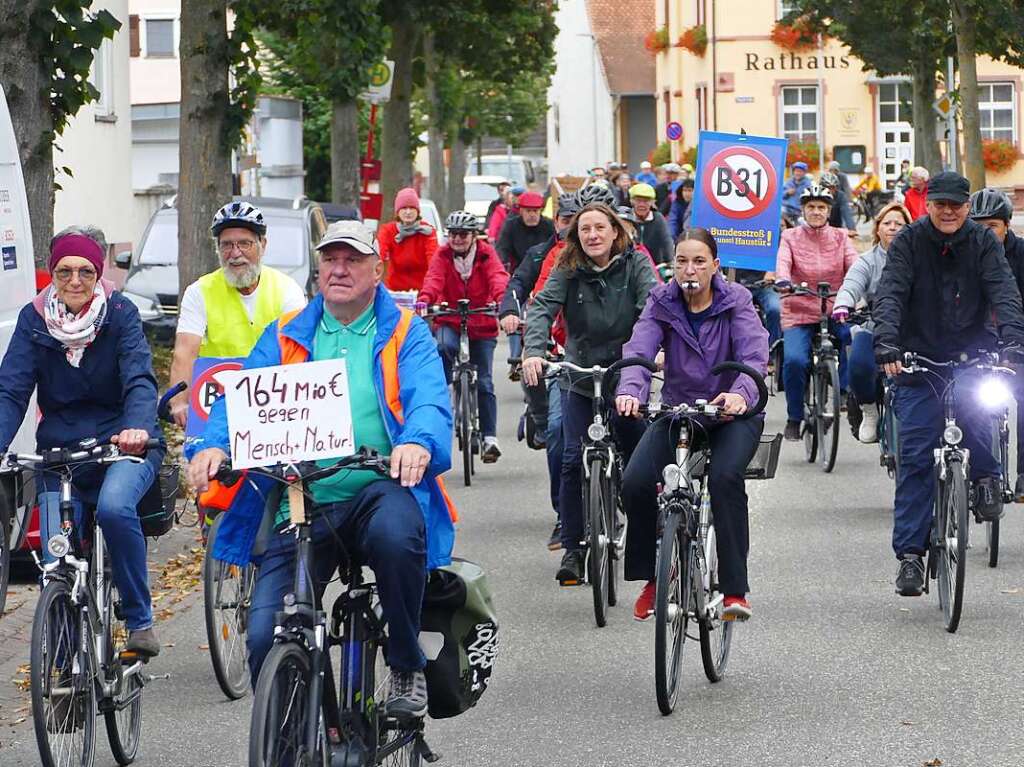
<point>427,421</point>
<point>114,389</point>
<point>791,202</point>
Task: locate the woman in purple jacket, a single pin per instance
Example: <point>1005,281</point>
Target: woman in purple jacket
<point>699,320</point>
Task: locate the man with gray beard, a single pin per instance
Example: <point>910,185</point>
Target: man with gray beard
<point>224,312</point>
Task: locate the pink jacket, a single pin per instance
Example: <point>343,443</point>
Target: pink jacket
<point>812,256</point>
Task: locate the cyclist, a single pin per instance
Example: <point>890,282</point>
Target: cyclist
<point>469,268</point>
<point>861,284</point>
<point>600,285</point>
<point>400,406</point>
<point>944,280</point>
<point>915,197</point>
<point>650,225</point>
<point>79,345</point>
<point>406,244</point>
<point>521,232</point>
<point>223,313</point>
<point>798,183</point>
<point>503,212</point>
<point>664,191</point>
<point>992,208</point>
<point>699,320</point>
<point>840,216</point>
<point>810,253</point>
<point>681,212</point>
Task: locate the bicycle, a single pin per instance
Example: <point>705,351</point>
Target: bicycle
<point>950,532</point>
<point>686,586</point>
<point>822,407</point>
<point>79,667</point>
<point>775,351</point>
<point>604,531</point>
<point>299,715</point>
<point>464,377</point>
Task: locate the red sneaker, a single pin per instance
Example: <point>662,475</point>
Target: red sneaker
<point>737,608</point>
<point>644,607</point>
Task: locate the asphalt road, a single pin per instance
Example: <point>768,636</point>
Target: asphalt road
<point>834,668</point>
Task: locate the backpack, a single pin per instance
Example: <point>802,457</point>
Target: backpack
<point>458,609</point>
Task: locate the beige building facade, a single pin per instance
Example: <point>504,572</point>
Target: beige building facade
<point>744,80</point>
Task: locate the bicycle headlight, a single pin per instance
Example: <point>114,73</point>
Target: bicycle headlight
<point>993,393</point>
<point>597,431</point>
<point>58,546</point>
<point>673,476</point>
<point>952,435</point>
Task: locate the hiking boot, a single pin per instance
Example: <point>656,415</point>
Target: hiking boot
<point>910,578</point>
<point>143,642</point>
<point>988,501</point>
<point>643,608</point>
<point>555,541</point>
<point>868,431</point>
<point>793,431</point>
<point>491,451</point>
<point>570,573</point>
<point>736,608</point>
<point>407,695</point>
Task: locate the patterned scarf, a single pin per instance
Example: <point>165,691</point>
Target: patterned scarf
<point>464,264</point>
<point>408,230</point>
<point>75,331</point>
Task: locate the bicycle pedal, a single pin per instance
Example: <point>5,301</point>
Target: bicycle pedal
<point>566,584</point>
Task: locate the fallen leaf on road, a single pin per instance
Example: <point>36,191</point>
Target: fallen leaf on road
<point>936,762</point>
<point>1011,591</point>
<point>204,647</point>
<point>906,722</point>
<point>168,644</point>
<point>904,609</point>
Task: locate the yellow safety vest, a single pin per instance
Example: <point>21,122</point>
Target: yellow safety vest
<point>229,331</point>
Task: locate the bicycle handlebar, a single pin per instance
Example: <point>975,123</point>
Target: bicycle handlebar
<point>58,457</point>
<point>163,408</point>
<point>462,309</point>
<point>914,362</point>
<point>288,473</point>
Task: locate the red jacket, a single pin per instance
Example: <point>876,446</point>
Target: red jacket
<point>914,202</point>
<point>486,284</point>
<point>407,261</point>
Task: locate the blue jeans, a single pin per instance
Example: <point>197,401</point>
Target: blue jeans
<point>515,345</point>
<point>796,362</point>
<point>381,527</point>
<point>119,491</point>
<point>771,304</point>
<point>921,419</point>
<point>554,443</point>
<point>864,373</point>
<point>481,354</point>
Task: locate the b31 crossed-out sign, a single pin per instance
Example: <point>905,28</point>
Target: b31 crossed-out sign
<point>738,197</point>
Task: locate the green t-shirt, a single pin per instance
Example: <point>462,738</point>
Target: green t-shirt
<point>354,344</point>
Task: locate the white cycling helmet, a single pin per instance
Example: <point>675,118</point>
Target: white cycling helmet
<point>816,192</point>
<point>241,214</point>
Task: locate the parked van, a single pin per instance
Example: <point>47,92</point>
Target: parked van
<point>516,168</point>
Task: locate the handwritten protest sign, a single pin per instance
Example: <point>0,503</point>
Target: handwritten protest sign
<point>288,413</point>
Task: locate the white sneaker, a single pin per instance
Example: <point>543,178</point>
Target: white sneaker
<point>868,431</point>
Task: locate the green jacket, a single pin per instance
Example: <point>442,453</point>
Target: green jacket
<point>599,308</point>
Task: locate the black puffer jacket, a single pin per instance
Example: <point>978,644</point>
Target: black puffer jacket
<point>938,292</point>
<point>516,238</point>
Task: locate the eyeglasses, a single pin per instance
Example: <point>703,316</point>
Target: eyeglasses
<point>455,233</point>
<point>245,246</point>
<point>84,273</point>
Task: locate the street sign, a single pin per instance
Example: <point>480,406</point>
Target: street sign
<point>371,204</point>
<point>674,131</point>
<point>382,76</point>
<point>738,196</point>
<point>369,170</point>
<point>944,106</point>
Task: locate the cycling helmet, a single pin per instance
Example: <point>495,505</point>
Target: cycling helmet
<point>829,179</point>
<point>626,214</point>
<point>241,214</point>
<point>816,192</point>
<point>991,203</point>
<point>462,221</point>
<point>567,204</point>
<point>595,193</point>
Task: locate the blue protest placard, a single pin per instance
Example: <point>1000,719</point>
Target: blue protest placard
<point>204,391</point>
<point>737,196</point>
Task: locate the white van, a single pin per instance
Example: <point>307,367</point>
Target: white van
<point>17,287</point>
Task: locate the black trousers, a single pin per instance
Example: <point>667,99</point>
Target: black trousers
<point>733,444</point>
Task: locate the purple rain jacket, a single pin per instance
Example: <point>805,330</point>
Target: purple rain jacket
<point>733,332</point>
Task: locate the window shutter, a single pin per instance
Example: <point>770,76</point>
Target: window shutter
<point>133,35</point>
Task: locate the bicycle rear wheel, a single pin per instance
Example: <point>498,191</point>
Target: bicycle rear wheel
<point>671,610</point>
<point>598,558</point>
<point>616,534</point>
<point>992,540</point>
<point>715,634</point>
<point>829,411</point>
<point>952,564</point>
<point>397,744</point>
<point>281,710</point>
<point>810,422</point>
<point>122,714</point>
<point>466,429</point>
<point>5,559</point>
<point>227,591</point>
<point>62,681</point>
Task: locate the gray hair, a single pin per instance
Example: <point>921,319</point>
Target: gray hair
<point>94,233</point>
<point>920,172</point>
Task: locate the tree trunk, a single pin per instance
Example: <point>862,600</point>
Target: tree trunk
<point>926,141</point>
<point>345,153</point>
<point>396,147</point>
<point>27,86</point>
<point>435,129</point>
<point>457,174</point>
<point>966,46</point>
<point>204,182</point>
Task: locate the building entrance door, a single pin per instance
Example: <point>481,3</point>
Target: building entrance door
<point>895,133</point>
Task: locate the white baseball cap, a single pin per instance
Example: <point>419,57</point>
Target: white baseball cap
<point>645,165</point>
<point>351,233</point>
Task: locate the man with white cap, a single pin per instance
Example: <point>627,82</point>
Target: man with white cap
<point>646,175</point>
<point>663,191</point>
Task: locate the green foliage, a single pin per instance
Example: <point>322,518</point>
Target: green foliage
<point>66,36</point>
<point>244,71</point>
<point>661,154</point>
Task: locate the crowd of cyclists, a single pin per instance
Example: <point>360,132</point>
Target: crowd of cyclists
<point>619,270</point>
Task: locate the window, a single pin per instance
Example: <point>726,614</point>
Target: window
<point>997,102</point>
<point>160,38</point>
<point>895,103</point>
<point>800,112</point>
<point>786,6</point>
<point>102,78</point>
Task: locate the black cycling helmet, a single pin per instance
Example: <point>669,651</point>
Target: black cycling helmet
<point>596,193</point>
<point>567,204</point>
<point>462,221</point>
<point>241,214</point>
<point>626,213</point>
<point>816,192</point>
<point>991,203</point>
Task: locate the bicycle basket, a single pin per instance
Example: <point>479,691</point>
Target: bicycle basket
<point>766,459</point>
<point>458,609</point>
<point>156,509</point>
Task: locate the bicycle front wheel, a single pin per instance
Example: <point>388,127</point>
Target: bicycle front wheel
<point>281,708</point>
<point>227,592</point>
<point>62,681</point>
<point>122,714</point>
<point>715,634</point>
<point>598,539</point>
<point>952,528</point>
<point>829,409</point>
<point>670,611</point>
<point>466,428</point>
<point>5,560</point>
<point>810,423</point>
